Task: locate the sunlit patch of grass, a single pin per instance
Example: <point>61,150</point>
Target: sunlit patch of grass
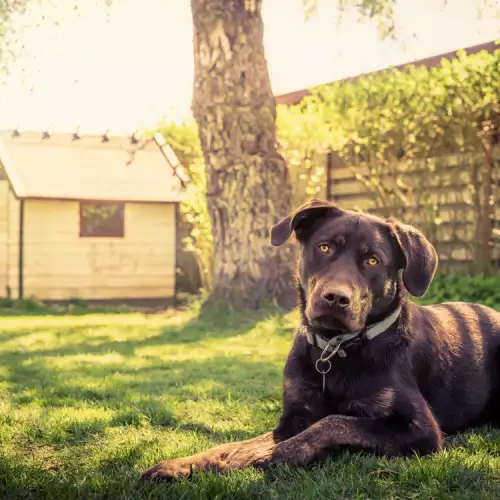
<point>89,401</point>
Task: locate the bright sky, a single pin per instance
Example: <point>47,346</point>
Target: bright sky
<point>126,66</point>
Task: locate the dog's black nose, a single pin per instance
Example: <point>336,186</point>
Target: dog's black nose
<point>336,298</point>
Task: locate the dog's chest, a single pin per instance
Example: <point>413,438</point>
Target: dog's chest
<point>338,395</point>
<point>351,393</point>
<point>336,403</point>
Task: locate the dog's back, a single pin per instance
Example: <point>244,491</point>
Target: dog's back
<point>456,359</point>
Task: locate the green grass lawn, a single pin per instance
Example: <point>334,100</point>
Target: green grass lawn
<point>89,401</point>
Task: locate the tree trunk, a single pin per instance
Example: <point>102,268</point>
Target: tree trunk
<point>248,184</point>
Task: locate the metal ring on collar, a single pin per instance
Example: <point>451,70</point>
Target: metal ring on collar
<point>323,372</point>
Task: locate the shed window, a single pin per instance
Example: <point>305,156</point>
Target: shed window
<point>102,219</point>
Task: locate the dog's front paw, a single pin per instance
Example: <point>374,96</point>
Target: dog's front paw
<point>168,470</point>
<point>291,452</point>
<point>270,459</point>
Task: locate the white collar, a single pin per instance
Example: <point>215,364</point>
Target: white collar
<point>370,333</point>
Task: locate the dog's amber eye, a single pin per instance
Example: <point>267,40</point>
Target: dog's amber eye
<point>324,248</point>
<point>372,261</point>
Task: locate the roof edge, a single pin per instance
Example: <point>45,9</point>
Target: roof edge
<point>173,201</point>
<point>12,177</point>
<point>23,190</point>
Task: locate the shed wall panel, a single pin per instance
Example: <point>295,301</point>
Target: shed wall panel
<point>60,265</point>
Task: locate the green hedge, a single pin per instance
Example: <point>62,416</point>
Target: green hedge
<point>399,114</point>
<point>452,288</point>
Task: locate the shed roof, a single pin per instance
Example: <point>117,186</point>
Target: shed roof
<point>88,168</point>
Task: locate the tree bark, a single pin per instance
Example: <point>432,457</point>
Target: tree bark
<point>248,184</point>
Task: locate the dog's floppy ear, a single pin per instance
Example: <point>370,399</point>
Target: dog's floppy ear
<point>420,258</point>
<point>293,222</point>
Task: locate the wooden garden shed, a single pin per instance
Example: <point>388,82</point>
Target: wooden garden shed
<point>87,217</point>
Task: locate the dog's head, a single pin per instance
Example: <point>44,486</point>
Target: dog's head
<point>352,265</point>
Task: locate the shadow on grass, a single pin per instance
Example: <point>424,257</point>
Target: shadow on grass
<point>213,326</point>
<point>141,397</point>
<point>122,396</point>
<point>137,388</point>
<point>343,476</point>
<point>137,396</point>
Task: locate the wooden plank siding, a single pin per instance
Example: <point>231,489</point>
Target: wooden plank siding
<point>60,265</point>
<point>446,185</point>
<point>4,237</point>
<point>9,237</point>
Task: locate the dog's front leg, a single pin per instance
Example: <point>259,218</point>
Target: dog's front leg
<point>303,400</point>
<point>219,459</point>
<point>395,434</point>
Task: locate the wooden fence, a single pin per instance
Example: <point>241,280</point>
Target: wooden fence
<point>454,200</point>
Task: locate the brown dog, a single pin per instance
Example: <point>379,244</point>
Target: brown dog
<point>368,369</point>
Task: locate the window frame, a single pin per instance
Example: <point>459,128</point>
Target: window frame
<point>121,229</point>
